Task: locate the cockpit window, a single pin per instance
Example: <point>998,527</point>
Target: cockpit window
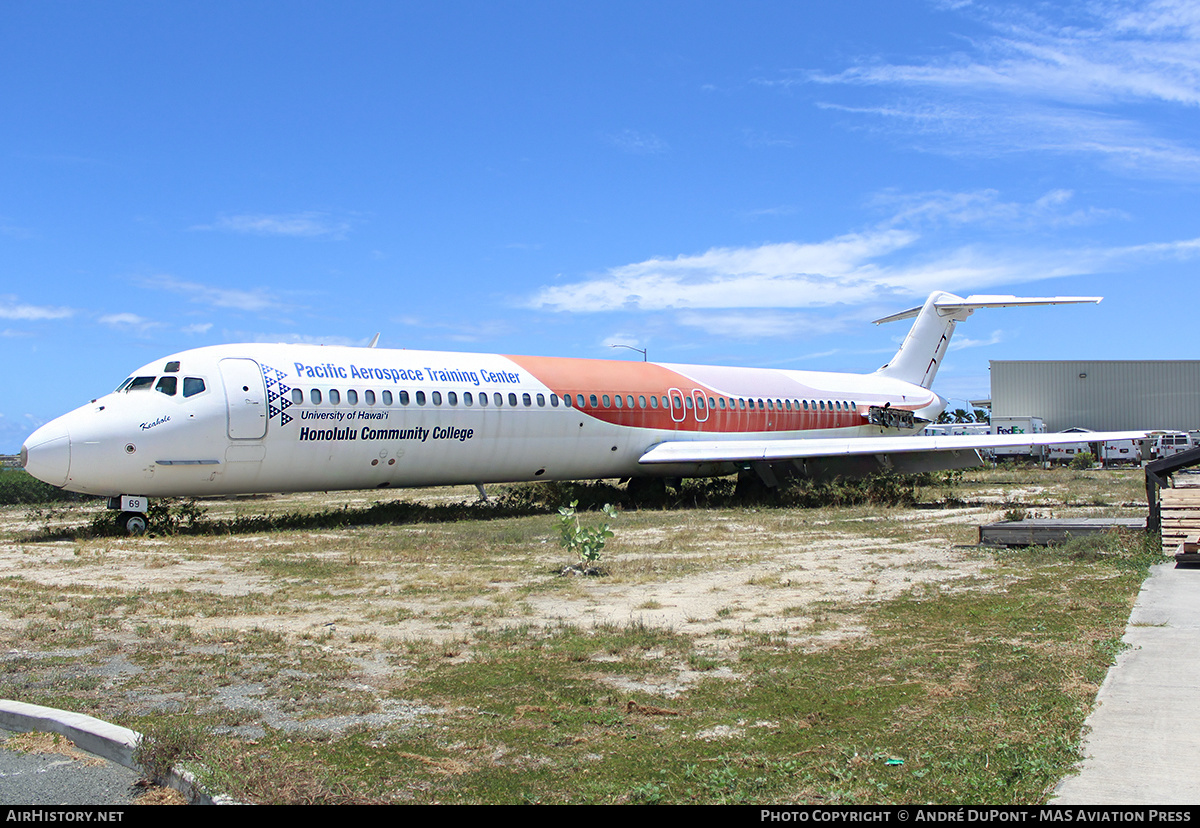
<point>122,386</point>
<point>195,385</point>
<point>140,383</point>
<point>168,386</point>
<point>171,367</point>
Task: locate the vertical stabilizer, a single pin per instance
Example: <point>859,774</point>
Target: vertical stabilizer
<point>925,346</point>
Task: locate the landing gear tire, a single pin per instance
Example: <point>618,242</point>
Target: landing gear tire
<point>133,523</point>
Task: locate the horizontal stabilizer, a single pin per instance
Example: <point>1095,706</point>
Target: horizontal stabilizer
<point>954,305</point>
<point>769,451</point>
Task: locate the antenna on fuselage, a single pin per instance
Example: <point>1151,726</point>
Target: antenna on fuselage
<point>374,341</point>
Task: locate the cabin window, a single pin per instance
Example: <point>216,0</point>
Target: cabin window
<point>386,396</point>
<point>314,396</point>
<point>369,397</point>
<point>498,399</point>
<point>419,397</point>
<point>168,386</point>
<point>140,383</point>
<point>527,400</point>
<point>653,402</point>
<point>402,396</point>
<point>770,405</point>
<point>605,400</point>
<point>721,402</point>
<point>751,405</point>
<point>554,400</point>
<point>483,399</point>
<point>579,403</point>
<point>567,400</point>
<point>641,400</point>
<point>435,397</point>
<point>194,385</point>
<point>334,396</point>
<point>711,403</point>
<point>512,399</point>
<point>468,399</point>
<point>541,398</point>
<point>687,402</point>
<point>171,367</point>
<point>617,401</point>
<point>351,397</point>
<point>451,398</point>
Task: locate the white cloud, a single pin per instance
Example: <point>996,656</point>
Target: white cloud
<point>884,264</point>
<point>960,342</point>
<point>307,224</point>
<point>197,329</point>
<point>306,339</point>
<point>749,325</point>
<point>1048,84</point>
<point>788,274</point>
<point>129,322</point>
<point>984,207</point>
<point>254,300</point>
<point>11,308</point>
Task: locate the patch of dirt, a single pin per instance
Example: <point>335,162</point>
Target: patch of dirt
<point>50,743</point>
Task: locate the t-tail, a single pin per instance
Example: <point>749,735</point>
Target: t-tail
<point>925,346</point>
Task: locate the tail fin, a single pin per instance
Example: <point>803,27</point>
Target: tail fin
<point>922,351</point>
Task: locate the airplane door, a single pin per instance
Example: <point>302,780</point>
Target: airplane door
<point>701,405</point>
<point>246,397</point>
<point>678,412</point>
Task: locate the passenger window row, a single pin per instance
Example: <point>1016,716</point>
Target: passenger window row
<point>333,396</point>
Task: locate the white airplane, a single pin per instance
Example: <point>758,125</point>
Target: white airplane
<point>238,419</point>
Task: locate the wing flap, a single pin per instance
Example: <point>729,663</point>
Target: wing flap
<point>741,451</point>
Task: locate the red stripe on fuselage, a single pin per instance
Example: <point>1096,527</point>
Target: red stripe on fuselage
<point>602,377</point>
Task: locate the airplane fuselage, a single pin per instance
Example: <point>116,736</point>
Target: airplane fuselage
<point>232,419</point>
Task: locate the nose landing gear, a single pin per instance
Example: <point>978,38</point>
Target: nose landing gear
<point>132,522</point>
<point>132,519</point>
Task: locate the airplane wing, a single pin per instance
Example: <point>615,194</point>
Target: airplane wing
<point>769,451</point>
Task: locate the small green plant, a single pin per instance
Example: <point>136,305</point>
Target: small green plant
<point>1083,461</point>
<point>165,742</point>
<point>585,541</point>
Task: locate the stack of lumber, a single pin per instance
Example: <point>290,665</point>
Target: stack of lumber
<point>1180,519</point>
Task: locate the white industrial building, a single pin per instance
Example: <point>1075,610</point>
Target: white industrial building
<point>1102,395</point>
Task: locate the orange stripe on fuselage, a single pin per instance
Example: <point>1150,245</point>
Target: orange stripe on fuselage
<point>601,376</point>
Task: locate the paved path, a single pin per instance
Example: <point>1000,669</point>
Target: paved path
<point>1144,734</point>
<point>58,779</point>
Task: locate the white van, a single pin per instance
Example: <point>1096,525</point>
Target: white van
<point>1169,443</point>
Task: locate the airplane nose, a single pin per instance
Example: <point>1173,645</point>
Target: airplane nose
<point>47,453</point>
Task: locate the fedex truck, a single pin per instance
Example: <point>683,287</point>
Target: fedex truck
<point>1018,425</point>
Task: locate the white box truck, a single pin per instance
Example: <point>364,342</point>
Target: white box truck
<point>1018,425</point>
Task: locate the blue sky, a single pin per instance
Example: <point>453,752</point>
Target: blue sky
<point>744,183</point>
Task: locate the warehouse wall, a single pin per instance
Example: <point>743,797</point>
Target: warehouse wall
<point>1100,395</point>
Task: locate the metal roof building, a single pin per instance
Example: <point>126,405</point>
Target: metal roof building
<point>1103,395</point>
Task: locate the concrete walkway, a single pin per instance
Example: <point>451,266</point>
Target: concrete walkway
<point>1144,734</point>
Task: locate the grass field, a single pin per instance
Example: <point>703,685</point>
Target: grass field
<point>829,655</point>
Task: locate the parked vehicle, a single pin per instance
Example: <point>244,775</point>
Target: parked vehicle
<point>1018,425</point>
<point>1169,443</point>
<point>1066,452</point>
